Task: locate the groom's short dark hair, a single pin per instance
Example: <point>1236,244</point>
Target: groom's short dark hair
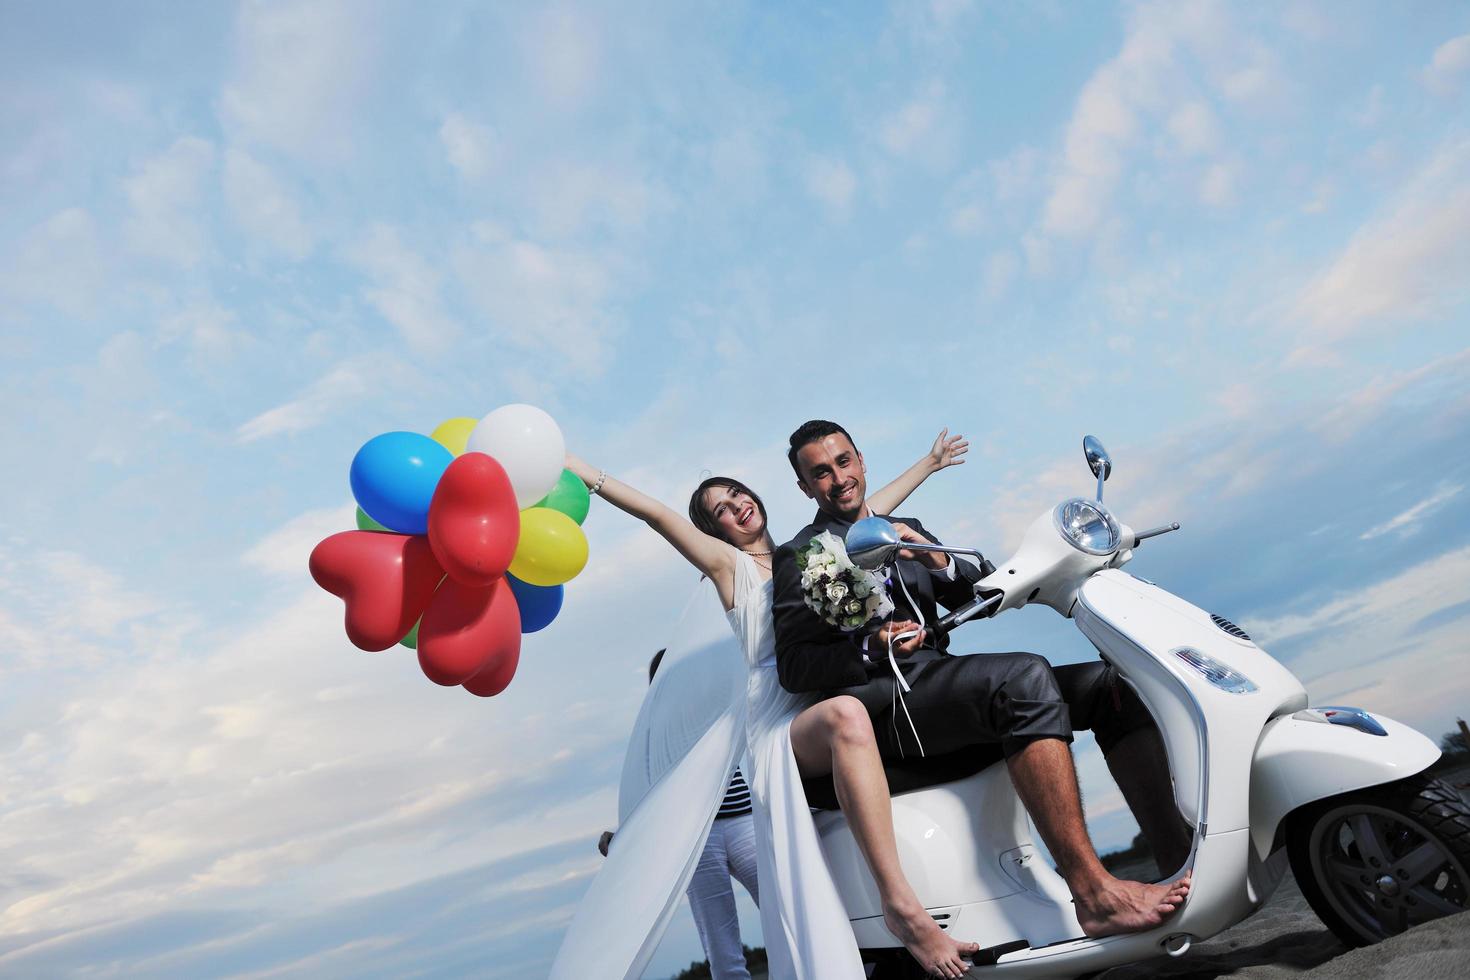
<point>810,432</point>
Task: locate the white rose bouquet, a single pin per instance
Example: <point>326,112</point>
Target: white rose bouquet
<point>834,588</point>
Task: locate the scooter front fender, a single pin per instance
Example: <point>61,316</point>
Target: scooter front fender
<point>1300,759</point>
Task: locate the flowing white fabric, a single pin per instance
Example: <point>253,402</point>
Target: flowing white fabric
<point>803,921</point>
<point>670,792</point>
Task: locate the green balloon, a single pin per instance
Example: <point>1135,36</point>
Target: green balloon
<point>366,523</point>
<point>569,496</point>
<point>412,639</point>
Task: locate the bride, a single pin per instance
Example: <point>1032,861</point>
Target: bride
<point>790,738</point>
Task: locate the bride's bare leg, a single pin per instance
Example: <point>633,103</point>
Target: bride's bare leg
<point>836,736</point>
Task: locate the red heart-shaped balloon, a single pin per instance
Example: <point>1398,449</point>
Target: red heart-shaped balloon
<point>464,630</point>
<point>386,581</point>
<point>474,523</point>
<point>495,676</point>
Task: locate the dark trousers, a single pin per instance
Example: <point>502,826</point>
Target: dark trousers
<point>1009,699</point>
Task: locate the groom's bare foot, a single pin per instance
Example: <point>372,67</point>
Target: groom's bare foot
<point>938,954</point>
<point>1111,906</point>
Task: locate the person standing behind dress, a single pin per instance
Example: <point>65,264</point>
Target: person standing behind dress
<point>729,852</point>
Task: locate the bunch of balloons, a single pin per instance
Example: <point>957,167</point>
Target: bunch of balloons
<point>465,538</point>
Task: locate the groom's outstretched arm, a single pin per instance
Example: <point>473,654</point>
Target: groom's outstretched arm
<point>810,655</point>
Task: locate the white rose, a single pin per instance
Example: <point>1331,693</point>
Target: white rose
<point>837,592</point>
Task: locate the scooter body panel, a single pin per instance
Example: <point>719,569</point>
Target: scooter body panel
<point>1301,758</point>
<point>1210,733</point>
<point>966,848</point>
<point>1218,899</point>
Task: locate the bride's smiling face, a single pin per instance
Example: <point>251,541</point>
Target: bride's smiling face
<point>736,514</point>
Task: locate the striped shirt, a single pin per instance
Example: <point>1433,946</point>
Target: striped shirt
<point>737,798</point>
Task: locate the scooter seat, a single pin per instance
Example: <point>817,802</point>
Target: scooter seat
<point>909,775</point>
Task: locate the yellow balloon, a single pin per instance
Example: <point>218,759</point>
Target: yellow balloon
<point>552,548</point>
<point>452,434</point>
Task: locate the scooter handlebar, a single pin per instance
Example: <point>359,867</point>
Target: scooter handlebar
<point>968,611</point>
<point>1140,536</point>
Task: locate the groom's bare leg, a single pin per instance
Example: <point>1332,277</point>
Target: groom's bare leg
<point>836,736</point>
<point>1046,781</point>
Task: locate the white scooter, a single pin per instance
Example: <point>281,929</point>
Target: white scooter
<point>1262,778</point>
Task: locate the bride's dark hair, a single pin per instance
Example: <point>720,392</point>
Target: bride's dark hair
<point>700,516</point>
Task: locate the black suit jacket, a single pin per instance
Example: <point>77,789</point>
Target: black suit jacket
<point>814,656</point>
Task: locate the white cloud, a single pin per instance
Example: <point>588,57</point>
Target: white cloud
<point>1380,617</point>
<point>63,601</point>
<point>1217,186</point>
<point>61,262</point>
<point>207,329</point>
<point>540,297</point>
<point>1372,111</point>
<point>1001,269</point>
<point>166,197</point>
<point>300,72</point>
<point>1194,128</point>
<point>925,128</point>
<point>344,383</point>
<point>1258,81</point>
<point>915,123</point>
<point>1102,129</point>
<point>832,183</point>
<point>1408,522</point>
<point>470,147</point>
<point>562,52</point>
<point>404,290</point>
<point>569,199</point>
<point>1406,263</point>
<point>238,763</point>
<point>1175,61</point>
<point>284,551</point>
<point>263,207</point>
<point>1447,69</point>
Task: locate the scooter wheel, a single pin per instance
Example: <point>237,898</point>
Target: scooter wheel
<point>1375,862</point>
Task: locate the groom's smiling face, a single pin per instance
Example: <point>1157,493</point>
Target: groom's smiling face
<point>833,475</point>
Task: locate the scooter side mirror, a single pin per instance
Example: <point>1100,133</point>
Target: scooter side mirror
<point>1098,461</point>
<point>872,543</point>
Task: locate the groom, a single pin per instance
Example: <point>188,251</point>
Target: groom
<point>959,704</point>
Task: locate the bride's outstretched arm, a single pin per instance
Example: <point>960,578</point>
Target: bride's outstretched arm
<point>710,555</point>
<point>947,450</point>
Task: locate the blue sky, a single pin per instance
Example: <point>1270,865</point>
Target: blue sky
<point>238,240</point>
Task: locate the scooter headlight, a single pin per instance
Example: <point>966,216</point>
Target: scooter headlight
<point>1088,526</point>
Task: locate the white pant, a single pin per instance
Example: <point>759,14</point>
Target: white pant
<point>729,853</point>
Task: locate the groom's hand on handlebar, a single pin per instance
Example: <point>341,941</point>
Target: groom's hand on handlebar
<point>901,647</point>
<point>934,559</point>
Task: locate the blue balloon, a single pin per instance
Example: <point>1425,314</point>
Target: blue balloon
<point>539,603</point>
<point>393,478</point>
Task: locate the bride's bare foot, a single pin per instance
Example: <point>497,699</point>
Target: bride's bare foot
<point>1113,906</point>
<point>938,954</point>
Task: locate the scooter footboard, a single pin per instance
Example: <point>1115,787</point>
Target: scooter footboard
<point>1304,757</point>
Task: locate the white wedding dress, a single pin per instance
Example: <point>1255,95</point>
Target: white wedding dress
<point>710,705</point>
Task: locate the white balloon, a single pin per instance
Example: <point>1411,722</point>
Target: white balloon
<point>528,443</point>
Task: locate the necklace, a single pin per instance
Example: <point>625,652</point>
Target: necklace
<point>756,557</point>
